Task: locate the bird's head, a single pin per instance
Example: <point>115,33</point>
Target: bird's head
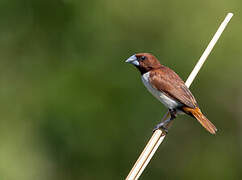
<point>144,62</point>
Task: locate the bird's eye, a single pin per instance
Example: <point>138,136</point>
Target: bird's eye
<point>142,57</point>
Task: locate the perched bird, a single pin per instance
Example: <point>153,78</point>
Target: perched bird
<point>168,88</point>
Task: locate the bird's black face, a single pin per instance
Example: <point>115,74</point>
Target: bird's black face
<point>142,58</point>
<point>144,62</point>
<point>135,59</point>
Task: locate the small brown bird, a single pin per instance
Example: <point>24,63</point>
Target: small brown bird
<point>168,88</point>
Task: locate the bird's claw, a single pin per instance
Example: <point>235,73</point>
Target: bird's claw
<point>159,126</point>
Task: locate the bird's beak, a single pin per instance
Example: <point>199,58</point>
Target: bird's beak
<point>133,60</point>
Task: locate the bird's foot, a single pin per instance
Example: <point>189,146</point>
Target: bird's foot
<point>162,127</point>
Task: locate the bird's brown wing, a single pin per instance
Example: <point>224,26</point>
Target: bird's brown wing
<point>167,81</point>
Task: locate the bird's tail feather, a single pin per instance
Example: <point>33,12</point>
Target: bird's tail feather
<point>201,119</point>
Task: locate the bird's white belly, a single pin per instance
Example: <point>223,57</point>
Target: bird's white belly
<point>168,102</point>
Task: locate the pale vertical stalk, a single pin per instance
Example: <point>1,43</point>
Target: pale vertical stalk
<point>208,50</point>
<point>158,136</point>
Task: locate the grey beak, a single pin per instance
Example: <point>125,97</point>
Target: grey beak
<point>133,60</point>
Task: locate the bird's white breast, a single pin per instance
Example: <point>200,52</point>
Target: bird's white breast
<point>168,102</point>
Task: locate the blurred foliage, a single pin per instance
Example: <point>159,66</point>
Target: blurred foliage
<point>72,109</point>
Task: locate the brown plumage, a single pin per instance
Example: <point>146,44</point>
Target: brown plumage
<point>169,88</point>
<point>196,112</point>
<point>166,80</point>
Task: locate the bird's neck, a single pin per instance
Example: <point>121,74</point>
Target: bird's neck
<point>144,70</point>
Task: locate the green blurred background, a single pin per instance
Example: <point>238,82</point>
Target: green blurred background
<point>72,109</point>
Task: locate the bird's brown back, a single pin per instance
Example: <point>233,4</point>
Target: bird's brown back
<point>167,81</point>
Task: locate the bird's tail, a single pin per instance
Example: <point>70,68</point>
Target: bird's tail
<point>196,112</point>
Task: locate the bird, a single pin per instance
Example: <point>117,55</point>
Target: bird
<point>166,86</point>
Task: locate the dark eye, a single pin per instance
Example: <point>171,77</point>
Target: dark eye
<point>143,58</point>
